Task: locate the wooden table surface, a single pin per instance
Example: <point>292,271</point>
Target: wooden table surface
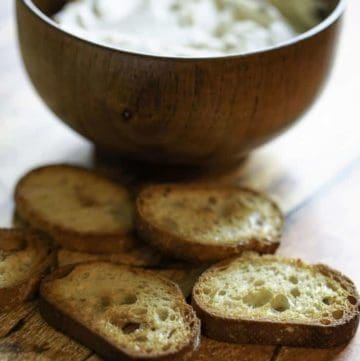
<point>313,171</point>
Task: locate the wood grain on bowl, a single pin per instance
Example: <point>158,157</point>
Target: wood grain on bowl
<point>171,110</point>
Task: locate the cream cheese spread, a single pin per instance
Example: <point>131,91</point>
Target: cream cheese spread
<point>180,28</point>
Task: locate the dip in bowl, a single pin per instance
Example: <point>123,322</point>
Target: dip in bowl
<point>175,109</point>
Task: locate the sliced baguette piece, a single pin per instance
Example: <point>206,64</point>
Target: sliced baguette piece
<point>24,259</point>
<point>279,301</point>
<point>120,312</point>
<point>79,209</point>
<point>205,223</point>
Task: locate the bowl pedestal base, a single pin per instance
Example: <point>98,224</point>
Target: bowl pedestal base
<point>136,173</point>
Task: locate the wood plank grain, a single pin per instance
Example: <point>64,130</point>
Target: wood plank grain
<point>36,340</point>
<point>214,350</point>
<point>301,354</point>
<point>28,356</point>
<point>10,319</point>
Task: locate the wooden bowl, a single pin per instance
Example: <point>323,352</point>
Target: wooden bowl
<point>174,110</point>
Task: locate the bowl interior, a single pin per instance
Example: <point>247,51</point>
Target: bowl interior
<point>50,7</point>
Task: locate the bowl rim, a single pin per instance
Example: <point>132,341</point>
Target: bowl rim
<point>323,25</point>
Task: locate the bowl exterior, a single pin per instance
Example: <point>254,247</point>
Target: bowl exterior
<point>178,111</point>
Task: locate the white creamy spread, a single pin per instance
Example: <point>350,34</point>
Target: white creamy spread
<point>183,28</point>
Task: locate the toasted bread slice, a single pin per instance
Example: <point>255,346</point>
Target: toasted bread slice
<point>24,258</point>
<point>207,223</point>
<point>79,209</point>
<point>273,300</point>
<point>120,312</point>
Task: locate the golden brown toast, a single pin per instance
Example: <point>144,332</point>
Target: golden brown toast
<point>79,209</point>
<point>277,301</point>
<point>204,223</point>
<point>25,258</point>
<point>120,312</point>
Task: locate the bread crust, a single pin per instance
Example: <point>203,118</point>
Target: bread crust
<point>139,257</point>
<point>63,322</point>
<point>189,250</point>
<point>184,275</point>
<point>268,332</point>
<point>27,289</point>
<point>89,242</point>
